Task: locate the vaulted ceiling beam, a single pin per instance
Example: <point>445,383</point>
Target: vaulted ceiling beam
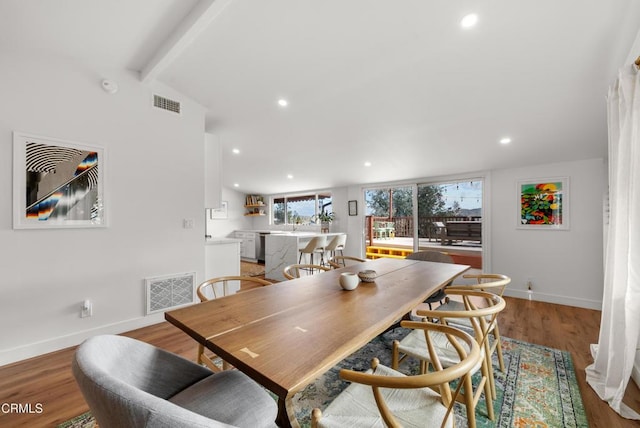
<point>202,14</point>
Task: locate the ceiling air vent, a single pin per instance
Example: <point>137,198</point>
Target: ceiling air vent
<point>166,104</point>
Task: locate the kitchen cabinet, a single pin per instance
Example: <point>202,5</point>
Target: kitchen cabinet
<point>222,258</point>
<point>248,245</point>
<point>212,171</point>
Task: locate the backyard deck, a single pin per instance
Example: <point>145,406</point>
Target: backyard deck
<point>463,252</point>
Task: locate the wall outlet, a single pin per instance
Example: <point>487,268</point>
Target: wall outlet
<point>187,223</point>
<point>87,309</point>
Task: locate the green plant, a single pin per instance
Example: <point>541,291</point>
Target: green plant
<point>326,217</point>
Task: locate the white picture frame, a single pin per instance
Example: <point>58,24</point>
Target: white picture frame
<point>57,183</point>
<point>543,203</point>
<point>220,213</point>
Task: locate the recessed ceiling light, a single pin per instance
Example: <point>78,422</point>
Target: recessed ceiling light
<point>505,140</point>
<point>367,163</point>
<point>469,20</point>
<point>289,176</point>
<point>236,185</point>
<point>236,151</point>
<point>282,102</point>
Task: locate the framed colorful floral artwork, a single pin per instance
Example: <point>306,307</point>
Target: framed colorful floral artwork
<point>543,204</point>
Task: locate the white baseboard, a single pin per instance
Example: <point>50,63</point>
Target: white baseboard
<point>8,356</point>
<point>20,353</point>
<point>553,298</point>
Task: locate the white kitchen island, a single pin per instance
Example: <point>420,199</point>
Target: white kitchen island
<point>281,250</point>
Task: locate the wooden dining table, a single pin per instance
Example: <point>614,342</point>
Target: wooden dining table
<point>286,335</point>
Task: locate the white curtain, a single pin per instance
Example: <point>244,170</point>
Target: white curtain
<point>620,325</point>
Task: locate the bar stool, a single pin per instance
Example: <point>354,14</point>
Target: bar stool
<point>317,244</point>
<point>293,271</point>
<point>336,244</point>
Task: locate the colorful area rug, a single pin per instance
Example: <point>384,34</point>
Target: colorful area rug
<point>539,388</point>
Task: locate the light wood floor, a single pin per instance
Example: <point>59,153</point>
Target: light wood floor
<point>47,379</point>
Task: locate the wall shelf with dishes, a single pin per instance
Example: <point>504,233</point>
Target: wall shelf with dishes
<point>255,206</point>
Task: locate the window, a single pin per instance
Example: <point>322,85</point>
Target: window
<point>389,202</point>
<point>449,201</point>
<point>389,214</point>
<point>300,209</point>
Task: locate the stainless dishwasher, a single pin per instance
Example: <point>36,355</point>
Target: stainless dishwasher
<point>260,245</point>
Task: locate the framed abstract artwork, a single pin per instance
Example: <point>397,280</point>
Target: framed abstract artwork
<point>543,204</point>
<point>56,183</point>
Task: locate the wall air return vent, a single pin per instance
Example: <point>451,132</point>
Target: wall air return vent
<point>166,104</point>
<point>170,291</point>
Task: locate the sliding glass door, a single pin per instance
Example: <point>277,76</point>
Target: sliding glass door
<point>439,216</point>
<point>389,217</point>
<point>450,219</point>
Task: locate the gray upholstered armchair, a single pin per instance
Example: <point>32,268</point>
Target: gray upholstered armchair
<point>131,383</point>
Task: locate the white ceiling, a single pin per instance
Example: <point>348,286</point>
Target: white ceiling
<point>397,83</point>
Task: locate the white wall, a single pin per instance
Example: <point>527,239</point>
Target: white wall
<point>154,179</point>
<point>340,208</point>
<point>236,220</point>
<point>566,267</point>
<point>355,224</point>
